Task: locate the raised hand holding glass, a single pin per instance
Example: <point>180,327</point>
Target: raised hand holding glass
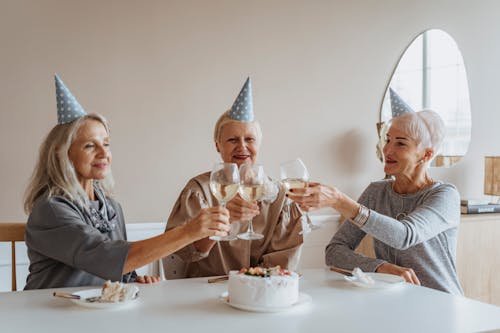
<point>224,184</point>
<point>294,174</point>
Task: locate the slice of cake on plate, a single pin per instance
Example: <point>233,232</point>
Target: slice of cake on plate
<point>118,292</point>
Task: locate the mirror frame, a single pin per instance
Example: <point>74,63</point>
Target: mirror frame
<point>440,160</point>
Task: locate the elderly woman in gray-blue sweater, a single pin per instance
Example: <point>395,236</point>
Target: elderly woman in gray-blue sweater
<point>412,218</point>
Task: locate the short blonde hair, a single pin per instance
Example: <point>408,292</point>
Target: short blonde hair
<point>54,173</point>
<point>426,127</point>
<point>224,119</point>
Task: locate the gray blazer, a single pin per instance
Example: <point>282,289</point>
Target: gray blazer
<point>67,248</point>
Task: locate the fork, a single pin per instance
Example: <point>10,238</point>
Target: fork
<point>73,296</point>
<point>65,295</point>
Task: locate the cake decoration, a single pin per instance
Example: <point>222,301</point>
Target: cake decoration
<point>259,287</point>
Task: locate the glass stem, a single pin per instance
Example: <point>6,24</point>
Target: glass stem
<point>223,205</point>
<point>306,215</point>
<point>308,219</point>
<point>250,227</point>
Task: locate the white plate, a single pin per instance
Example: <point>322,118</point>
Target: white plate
<point>381,281</point>
<point>98,305</point>
<point>303,299</point>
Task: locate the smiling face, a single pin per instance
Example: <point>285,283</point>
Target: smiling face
<point>401,154</point>
<point>238,142</point>
<point>89,152</point>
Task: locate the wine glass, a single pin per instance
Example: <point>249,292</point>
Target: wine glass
<point>294,174</point>
<point>252,179</point>
<point>224,184</point>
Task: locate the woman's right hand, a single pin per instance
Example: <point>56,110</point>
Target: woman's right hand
<point>407,273</point>
<point>213,221</point>
<point>315,196</point>
<point>242,210</point>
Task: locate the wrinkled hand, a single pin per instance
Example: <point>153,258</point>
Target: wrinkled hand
<point>212,221</point>
<point>314,196</point>
<point>242,210</point>
<point>407,273</point>
<point>147,279</point>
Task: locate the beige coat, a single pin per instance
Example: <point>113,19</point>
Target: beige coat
<point>279,222</point>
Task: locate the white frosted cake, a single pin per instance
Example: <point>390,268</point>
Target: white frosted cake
<point>118,292</point>
<point>263,287</point>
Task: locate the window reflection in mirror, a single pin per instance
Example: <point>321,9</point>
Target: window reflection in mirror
<point>431,75</point>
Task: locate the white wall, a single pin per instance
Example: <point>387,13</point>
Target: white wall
<point>163,71</point>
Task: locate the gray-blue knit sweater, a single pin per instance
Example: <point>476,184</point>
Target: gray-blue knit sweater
<point>417,230</point>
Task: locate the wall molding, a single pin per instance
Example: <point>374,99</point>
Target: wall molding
<point>312,251</point>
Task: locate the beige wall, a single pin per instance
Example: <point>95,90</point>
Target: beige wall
<point>163,71</point>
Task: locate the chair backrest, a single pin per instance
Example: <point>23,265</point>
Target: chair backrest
<point>12,232</point>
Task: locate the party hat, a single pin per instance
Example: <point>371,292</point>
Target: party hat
<point>242,109</point>
<point>68,108</point>
<point>398,106</point>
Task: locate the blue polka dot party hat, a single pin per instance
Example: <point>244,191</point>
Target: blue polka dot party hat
<point>398,106</point>
<point>68,108</point>
<point>242,109</point>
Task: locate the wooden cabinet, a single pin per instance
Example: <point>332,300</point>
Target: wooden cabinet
<point>478,257</point>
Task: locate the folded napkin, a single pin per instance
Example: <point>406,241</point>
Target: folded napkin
<point>271,190</point>
<point>361,276</point>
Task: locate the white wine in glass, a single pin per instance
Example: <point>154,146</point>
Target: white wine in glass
<point>294,174</point>
<point>291,183</point>
<point>223,192</point>
<point>252,193</point>
<point>252,179</point>
<point>224,184</point>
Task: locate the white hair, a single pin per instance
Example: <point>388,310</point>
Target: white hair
<point>224,119</point>
<point>54,173</point>
<point>426,127</point>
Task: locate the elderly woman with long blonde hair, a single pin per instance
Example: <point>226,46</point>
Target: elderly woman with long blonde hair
<point>413,218</point>
<point>237,138</point>
<point>76,231</point>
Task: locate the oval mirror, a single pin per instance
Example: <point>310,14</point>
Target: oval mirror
<point>431,75</point>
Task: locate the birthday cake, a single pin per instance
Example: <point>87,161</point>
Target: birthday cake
<point>263,287</point>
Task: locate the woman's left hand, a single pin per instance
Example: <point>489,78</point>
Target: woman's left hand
<point>147,279</point>
<point>242,210</point>
<point>314,196</point>
<point>407,273</point>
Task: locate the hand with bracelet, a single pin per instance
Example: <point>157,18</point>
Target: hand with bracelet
<point>317,196</point>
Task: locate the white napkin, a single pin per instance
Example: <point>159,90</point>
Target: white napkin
<point>271,190</point>
<point>361,276</point>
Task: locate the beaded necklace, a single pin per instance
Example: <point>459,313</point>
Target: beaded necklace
<point>103,219</point>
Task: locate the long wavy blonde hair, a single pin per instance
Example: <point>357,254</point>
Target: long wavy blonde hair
<point>54,173</point>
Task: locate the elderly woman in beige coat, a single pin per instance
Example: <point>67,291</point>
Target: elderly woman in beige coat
<point>237,139</point>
